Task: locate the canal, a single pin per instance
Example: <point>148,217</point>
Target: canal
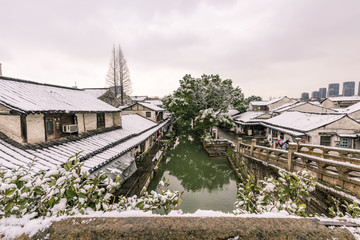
<point>207,183</point>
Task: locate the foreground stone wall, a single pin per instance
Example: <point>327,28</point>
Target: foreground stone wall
<point>191,228</point>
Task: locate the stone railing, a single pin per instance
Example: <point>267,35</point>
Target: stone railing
<point>335,171</point>
<point>332,153</point>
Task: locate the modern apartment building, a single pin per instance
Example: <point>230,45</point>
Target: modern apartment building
<point>304,96</point>
<point>322,92</point>
<point>349,88</point>
<point>315,94</point>
<point>333,90</point>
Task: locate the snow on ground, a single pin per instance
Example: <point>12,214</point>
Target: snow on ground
<point>13,227</point>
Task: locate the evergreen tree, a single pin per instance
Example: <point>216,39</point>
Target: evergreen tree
<point>204,101</point>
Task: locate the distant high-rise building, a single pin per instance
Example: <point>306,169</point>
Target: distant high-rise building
<point>333,90</point>
<point>349,88</point>
<point>304,96</point>
<point>315,94</point>
<point>322,92</point>
<point>359,89</point>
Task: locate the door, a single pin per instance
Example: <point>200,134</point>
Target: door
<point>53,127</point>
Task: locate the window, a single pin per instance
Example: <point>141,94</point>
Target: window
<point>148,114</point>
<point>49,126</point>
<point>345,142</point>
<point>325,140</point>
<point>100,120</point>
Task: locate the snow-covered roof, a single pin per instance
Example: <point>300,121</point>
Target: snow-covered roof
<point>156,102</point>
<point>97,150</point>
<point>264,103</point>
<point>349,135</point>
<point>249,118</point>
<point>290,106</point>
<point>302,122</point>
<point>138,98</point>
<point>144,104</point>
<point>353,108</point>
<point>96,92</point>
<point>32,97</point>
<point>232,112</point>
<point>151,106</point>
<point>344,99</point>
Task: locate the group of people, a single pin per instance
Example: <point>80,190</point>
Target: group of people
<point>283,145</point>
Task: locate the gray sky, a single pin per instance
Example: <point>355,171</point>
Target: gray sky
<point>268,48</point>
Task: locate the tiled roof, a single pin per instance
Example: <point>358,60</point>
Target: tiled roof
<point>264,103</point>
<point>151,106</point>
<point>144,104</point>
<point>302,122</point>
<point>96,92</point>
<point>31,97</point>
<point>138,98</point>
<point>98,151</point>
<point>344,98</point>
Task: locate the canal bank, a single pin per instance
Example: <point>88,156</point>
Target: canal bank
<point>207,183</point>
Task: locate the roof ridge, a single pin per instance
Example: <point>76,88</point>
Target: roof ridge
<point>37,83</point>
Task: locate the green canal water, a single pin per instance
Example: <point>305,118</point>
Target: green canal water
<point>207,183</point>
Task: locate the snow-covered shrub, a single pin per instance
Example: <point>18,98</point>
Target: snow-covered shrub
<point>287,193</point>
<point>67,191</point>
<point>165,201</point>
<point>208,118</point>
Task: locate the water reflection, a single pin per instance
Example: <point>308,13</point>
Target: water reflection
<point>208,183</point>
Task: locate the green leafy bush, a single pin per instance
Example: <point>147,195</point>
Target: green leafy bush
<point>68,191</point>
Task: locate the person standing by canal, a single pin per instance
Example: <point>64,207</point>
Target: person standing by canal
<point>285,146</point>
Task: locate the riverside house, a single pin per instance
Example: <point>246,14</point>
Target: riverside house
<point>269,106</point>
<point>327,129</point>
<point>35,120</point>
<point>32,112</point>
<point>147,110</point>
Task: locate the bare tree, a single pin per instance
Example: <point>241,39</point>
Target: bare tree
<point>118,76</point>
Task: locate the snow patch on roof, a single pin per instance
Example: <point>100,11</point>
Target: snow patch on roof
<point>301,121</point>
<point>96,92</point>
<point>263,103</point>
<point>248,116</point>
<point>344,99</point>
<point>151,106</point>
<point>138,98</point>
<point>35,97</point>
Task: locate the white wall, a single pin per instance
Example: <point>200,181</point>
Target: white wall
<point>35,128</point>
<point>10,126</point>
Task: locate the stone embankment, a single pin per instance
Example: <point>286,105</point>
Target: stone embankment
<point>191,228</point>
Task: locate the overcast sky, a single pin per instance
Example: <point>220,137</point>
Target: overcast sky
<point>268,48</point>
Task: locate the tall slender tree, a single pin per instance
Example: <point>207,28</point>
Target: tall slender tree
<point>118,75</point>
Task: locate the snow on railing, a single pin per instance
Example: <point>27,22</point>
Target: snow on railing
<point>341,171</point>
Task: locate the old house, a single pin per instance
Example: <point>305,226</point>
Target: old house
<point>147,110</point>
<point>268,106</point>
<point>249,123</point>
<point>328,129</point>
<point>32,112</point>
<point>340,102</point>
<point>303,107</point>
